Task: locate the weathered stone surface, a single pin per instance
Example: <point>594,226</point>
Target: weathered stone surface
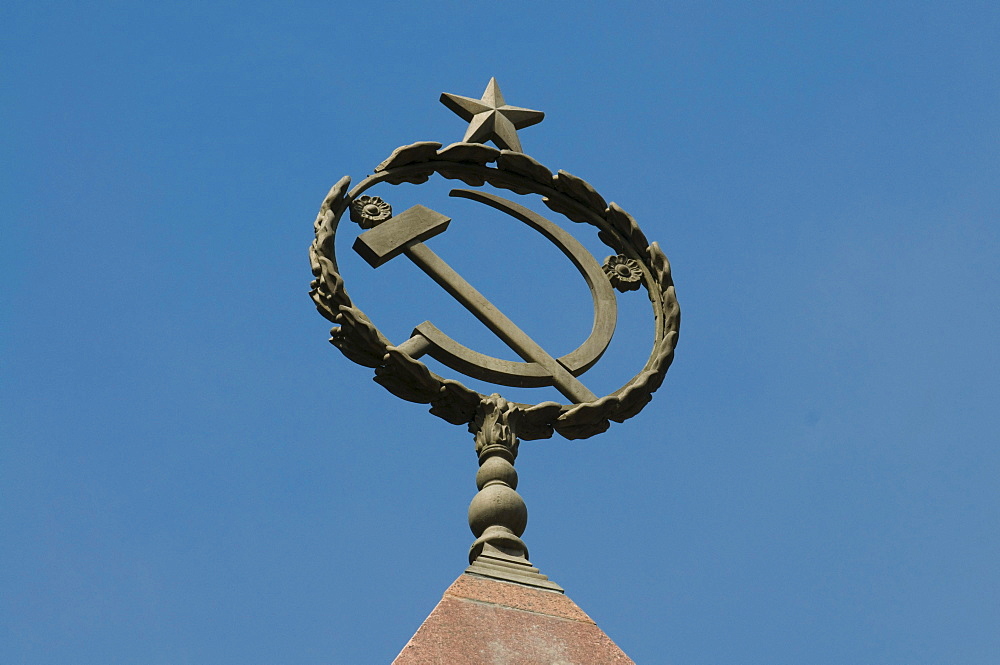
<point>491,118</point>
<point>481,621</point>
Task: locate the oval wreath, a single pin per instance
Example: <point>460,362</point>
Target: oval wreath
<point>410,379</point>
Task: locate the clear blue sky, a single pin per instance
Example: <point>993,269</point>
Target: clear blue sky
<point>190,474</point>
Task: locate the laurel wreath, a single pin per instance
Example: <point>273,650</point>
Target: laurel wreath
<point>410,379</point>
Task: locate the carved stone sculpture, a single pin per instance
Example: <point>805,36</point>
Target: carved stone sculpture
<point>497,515</point>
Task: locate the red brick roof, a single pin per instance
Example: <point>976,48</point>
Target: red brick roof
<point>482,621</point>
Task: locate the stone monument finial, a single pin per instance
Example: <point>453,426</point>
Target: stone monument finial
<point>497,515</point>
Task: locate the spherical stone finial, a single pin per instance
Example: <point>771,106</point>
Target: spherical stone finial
<point>498,505</point>
<point>496,470</point>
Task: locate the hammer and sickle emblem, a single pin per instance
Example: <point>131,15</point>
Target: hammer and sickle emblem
<point>405,234</point>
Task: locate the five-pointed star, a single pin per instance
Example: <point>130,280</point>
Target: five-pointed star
<point>490,118</point>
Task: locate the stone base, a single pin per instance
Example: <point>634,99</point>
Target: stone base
<point>495,563</point>
<point>481,620</point>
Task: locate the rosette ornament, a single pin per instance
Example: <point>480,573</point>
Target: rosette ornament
<point>624,273</point>
<point>370,211</point>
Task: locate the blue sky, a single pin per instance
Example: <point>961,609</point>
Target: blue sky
<point>190,473</point>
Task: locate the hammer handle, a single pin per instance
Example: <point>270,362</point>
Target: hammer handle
<point>497,322</point>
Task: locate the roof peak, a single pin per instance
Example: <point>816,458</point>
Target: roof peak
<point>487,620</point>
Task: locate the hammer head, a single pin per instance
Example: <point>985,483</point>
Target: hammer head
<point>392,237</point>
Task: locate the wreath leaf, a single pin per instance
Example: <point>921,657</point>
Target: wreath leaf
<point>469,153</point>
<point>522,164</point>
<point>421,151</point>
<point>580,190</point>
